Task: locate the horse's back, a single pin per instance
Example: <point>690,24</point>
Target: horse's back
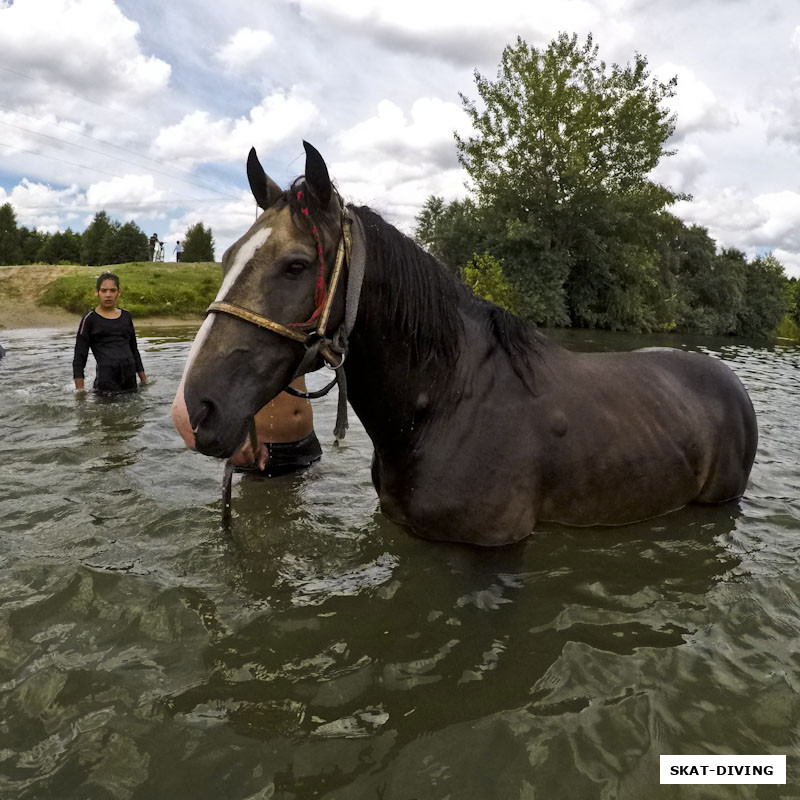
<point>680,423</point>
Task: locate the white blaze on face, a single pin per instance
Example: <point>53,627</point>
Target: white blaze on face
<point>244,254</point>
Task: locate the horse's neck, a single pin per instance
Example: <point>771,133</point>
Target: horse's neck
<point>391,389</point>
<point>391,396</point>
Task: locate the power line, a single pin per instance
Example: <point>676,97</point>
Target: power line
<point>91,169</point>
<point>51,87</point>
<point>111,144</point>
<point>115,158</point>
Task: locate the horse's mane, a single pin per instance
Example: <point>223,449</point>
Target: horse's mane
<point>419,297</point>
<point>424,301</point>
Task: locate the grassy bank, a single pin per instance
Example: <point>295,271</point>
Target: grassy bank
<point>147,289</point>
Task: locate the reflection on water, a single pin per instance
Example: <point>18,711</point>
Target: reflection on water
<point>319,651</point>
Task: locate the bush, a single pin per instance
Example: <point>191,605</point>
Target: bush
<point>170,290</point>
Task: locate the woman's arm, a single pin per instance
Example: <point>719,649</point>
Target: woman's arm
<point>135,350</point>
<point>82,342</point>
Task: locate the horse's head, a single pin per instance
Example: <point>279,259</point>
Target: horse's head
<point>275,284</point>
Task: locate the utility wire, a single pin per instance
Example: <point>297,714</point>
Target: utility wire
<point>50,87</point>
<point>206,185</point>
<point>115,158</point>
<point>91,169</point>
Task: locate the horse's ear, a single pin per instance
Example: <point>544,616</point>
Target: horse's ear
<point>264,189</point>
<point>317,175</point>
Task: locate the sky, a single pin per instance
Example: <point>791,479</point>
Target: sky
<point>147,109</point>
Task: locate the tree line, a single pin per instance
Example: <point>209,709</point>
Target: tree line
<point>105,241</point>
<point>563,222</point>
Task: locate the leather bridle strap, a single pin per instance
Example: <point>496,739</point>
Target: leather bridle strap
<point>234,310</point>
<point>308,334</point>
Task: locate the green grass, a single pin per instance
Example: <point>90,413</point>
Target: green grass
<point>146,288</point>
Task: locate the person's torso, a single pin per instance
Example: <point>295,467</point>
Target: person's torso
<point>110,339</point>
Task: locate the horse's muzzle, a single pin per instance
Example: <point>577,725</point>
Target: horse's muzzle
<point>211,436</point>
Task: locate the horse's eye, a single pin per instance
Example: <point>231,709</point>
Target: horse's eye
<point>295,269</point>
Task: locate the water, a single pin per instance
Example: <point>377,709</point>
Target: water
<point>319,651</point>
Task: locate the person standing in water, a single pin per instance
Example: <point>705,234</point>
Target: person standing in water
<point>284,429</point>
<point>108,332</point>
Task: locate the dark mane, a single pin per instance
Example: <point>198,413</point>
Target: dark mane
<point>424,300</point>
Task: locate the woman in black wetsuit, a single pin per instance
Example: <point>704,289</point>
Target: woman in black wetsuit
<point>108,332</point>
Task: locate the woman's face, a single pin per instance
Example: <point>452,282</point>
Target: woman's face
<point>107,293</point>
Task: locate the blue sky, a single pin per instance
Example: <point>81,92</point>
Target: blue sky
<point>147,109</point>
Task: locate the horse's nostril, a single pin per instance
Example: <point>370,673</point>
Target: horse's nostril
<point>202,414</point>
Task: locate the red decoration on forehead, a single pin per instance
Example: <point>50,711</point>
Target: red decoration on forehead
<point>320,292</point>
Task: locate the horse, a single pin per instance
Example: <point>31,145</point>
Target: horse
<point>482,427</point>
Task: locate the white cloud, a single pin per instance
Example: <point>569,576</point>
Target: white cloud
<point>86,46</point>
<point>44,208</point>
<point>246,48</point>
<point>467,33</point>
<point>782,218</point>
<point>425,137</point>
<point>765,222</point>
<point>131,193</point>
<point>394,160</point>
<point>696,106</point>
<point>790,260</point>
<point>199,138</point>
<point>795,41</point>
<point>680,172</point>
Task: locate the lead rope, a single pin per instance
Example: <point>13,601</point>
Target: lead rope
<point>227,477</point>
<point>356,260</point>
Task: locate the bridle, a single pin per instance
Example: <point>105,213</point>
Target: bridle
<point>312,333</point>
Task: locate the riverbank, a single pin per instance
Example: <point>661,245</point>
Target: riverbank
<point>23,287</point>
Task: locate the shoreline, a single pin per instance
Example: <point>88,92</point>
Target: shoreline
<point>26,314</point>
<point>21,287</point>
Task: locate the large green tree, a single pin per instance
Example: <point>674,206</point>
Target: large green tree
<point>92,239</point>
<point>765,293</point>
<point>10,247</point>
<point>560,158</point>
<point>60,247</point>
<point>198,244</point>
<point>452,232</point>
<point>124,243</point>
<point>31,242</point>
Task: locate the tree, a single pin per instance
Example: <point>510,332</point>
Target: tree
<point>452,233</point>
<point>198,244</point>
<point>124,243</point>
<point>559,161</point>
<point>10,249</point>
<point>92,240</point>
<point>484,275</point>
<point>31,241</point>
<point>60,247</point>
<point>793,300</point>
<point>765,297</point>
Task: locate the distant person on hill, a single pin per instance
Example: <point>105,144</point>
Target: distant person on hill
<point>108,332</point>
<point>153,245</point>
<point>178,251</point>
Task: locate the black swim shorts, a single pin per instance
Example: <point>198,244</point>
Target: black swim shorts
<point>286,457</point>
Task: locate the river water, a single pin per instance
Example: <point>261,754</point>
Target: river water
<point>319,651</point>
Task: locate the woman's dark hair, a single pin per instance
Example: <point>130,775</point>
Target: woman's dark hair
<point>106,276</point>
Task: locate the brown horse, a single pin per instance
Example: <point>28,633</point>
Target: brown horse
<point>481,426</point>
